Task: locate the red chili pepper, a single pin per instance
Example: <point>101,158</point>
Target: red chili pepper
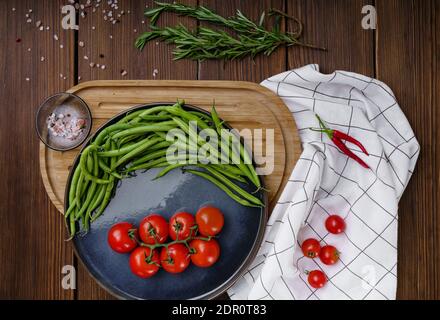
<point>337,137</point>
<point>346,137</point>
<point>341,145</point>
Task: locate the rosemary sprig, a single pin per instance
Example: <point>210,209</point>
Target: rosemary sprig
<point>206,43</point>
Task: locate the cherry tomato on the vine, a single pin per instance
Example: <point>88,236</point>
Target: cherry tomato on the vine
<point>143,263</point>
<point>204,253</point>
<point>210,221</point>
<point>122,237</point>
<point>175,258</point>
<point>329,255</point>
<point>153,229</point>
<point>182,225</point>
<point>335,224</point>
<point>311,248</point>
<point>317,279</point>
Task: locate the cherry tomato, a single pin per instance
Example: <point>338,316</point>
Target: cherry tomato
<point>182,225</point>
<point>317,279</point>
<point>141,264</point>
<point>311,248</point>
<point>335,224</point>
<point>176,259</point>
<point>122,237</point>
<point>329,255</point>
<point>153,229</point>
<point>204,253</point>
<point>210,221</point>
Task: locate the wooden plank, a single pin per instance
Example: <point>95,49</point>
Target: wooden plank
<point>335,25</point>
<point>32,248</point>
<point>117,54</point>
<point>407,61</point>
<point>246,69</point>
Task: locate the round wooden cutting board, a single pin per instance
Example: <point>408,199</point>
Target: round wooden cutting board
<point>243,105</point>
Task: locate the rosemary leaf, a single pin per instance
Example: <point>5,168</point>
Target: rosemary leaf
<point>250,38</point>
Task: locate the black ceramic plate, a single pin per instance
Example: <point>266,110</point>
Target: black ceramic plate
<point>139,196</point>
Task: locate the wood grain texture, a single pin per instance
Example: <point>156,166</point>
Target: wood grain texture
<point>34,227</point>
<point>234,102</point>
<point>407,60</point>
<point>402,52</point>
<point>336,26</point>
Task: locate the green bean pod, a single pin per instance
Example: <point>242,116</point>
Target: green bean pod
<point>219,184</point>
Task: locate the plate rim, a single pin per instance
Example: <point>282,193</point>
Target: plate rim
<point>240,270</point>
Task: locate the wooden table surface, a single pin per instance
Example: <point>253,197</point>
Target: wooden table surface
<point>401,52</point>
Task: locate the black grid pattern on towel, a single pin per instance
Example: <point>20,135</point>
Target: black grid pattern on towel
<point>293,87</point>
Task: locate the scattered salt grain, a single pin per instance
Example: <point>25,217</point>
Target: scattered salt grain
<point>29,49</point>
<point>98,65</point>
<point>41,28</point>
<point>42,59</point>
<point>81,44</point>
<point>29,20</point>
<point>103,67</point>
<point>47,28</point>
<point>30,10</point>
<point>61,75</point>
<point>92,65</point>
<point>86,58</point>
<point>123,73</point>
<point>13,9</point>
<point>55,37</point>
<point>27,79</point>
<point>135,30</point>
<point>61,46</point>
<point>111,37</point>
<point>38,23</point>
<point>155,72</point>
<point>93,28</point>
<point>79,78</point>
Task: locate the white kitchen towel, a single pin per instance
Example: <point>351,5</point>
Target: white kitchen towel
<point>325,181</point>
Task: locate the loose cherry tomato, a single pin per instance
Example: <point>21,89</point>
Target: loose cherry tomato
<point>204,253</point>
<point>142,265</point>
<point>122,237</point>
<point>182,225</point>
<point>176,259</point>
<point>311,248</point>
<point>153,229</point>
<point>329,255</point>
<point>210,221</point>
<point>317,279</point>
<point>335,224</point>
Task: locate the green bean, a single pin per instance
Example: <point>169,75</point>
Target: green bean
<point>178,111</point>
<point>151,164</point>
<point>72,225</point>
<point>161,126</point>
<point>87,174</point>
<point>118,126</point>
<point>159,146</point>
<point>217,123</point>
<point>219,184</point>
<point>107,169</point>
<point>121,151</point>
<point>150,156</point>
<point>79,188</point>
<point>129,116</point>
<point>105,200</point>
<point>169,168</point>
<point>92,190</point>
<point>227,173</point>
<point>234,187</point>
<point>155,110</point>
<point>202,116</point>
<point>135,152</point>
<point>154,117</point>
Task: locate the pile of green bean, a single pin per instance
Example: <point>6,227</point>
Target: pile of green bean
<point>138,142</point>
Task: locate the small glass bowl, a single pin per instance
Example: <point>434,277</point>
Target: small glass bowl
<point>71,107</point>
